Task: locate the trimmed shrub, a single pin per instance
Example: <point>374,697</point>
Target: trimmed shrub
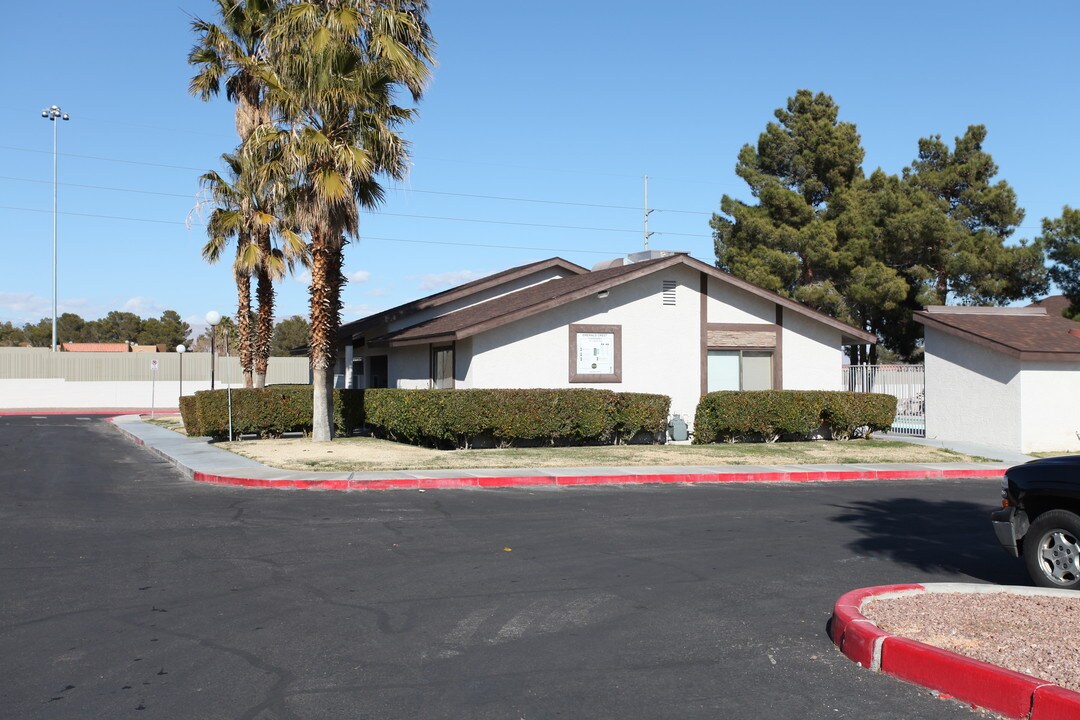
<point>272,411</point>
<point>849,415</point>
<point>770,415</point>
<point>464,418</point>
<point>189,411</point>
<point>641,417</point>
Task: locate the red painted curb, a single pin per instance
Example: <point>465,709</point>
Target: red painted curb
<point>1055,703</point>
<point>1007,692</point>
<point>989,686</point>
<point>504,481</point>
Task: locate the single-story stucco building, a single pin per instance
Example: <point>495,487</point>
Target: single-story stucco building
<point>659,322</point>
<point>1008,377</point>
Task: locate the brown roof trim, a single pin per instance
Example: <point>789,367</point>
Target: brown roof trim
<point>354,328</point>
<point>850,332</point>
<point>982,310</point>
<point>617,276</point>
<point>934,320</point>
<point>604,281</point>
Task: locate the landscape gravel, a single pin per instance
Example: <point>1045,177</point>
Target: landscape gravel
<point>1034,635</point>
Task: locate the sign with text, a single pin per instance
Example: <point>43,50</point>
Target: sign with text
<point>595,353</point>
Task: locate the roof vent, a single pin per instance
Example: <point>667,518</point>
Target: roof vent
<point>652,255</point>
<point>605,264</point>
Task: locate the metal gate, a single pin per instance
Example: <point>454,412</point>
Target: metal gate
<point>906,382</point>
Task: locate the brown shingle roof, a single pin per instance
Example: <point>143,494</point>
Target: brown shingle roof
<point>477,318</point>
<point>1028,333</point>
<point>350,330</point>
<point>484,316</point>
<point>1055,304</point>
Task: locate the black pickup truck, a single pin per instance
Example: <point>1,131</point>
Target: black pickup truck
<point>1040,519</point>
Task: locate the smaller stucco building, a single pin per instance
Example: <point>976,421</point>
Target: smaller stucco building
<point>1008,377</point>
<point>658,322</point>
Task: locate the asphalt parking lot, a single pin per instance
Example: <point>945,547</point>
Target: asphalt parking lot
<point>128,591</point>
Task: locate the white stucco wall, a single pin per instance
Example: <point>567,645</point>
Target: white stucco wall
<point>1050,406</point>
<point>661,345</point>
<point>972,392</point>
<point>812,354</point>
<point>57,393</point>
<point>729,304</point>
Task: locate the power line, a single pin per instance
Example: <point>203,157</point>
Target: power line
<point>97,187</point>
<point>405,190</point>
<point>381,213</point>
<point>363,237</point>
<point>496,247</point>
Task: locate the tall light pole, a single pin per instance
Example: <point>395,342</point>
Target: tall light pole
<point>51,114</point>
<point>212,319</point>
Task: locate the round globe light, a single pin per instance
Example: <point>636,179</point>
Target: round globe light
<point>181,349</point>
<point>213,317</point>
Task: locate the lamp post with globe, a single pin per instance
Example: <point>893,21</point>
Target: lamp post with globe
<point>181,350</point>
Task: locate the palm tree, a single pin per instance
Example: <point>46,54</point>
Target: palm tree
<point>331,76</point>
<point>228,222</point>
<point>252,209</point>
<point>233,52</point>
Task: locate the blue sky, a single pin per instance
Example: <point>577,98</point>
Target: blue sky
<point>567,105</point>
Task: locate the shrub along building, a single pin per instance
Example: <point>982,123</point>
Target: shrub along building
<point>656,322</point>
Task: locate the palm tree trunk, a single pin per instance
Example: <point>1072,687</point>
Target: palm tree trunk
<point>243,324</point>
<point>323,312</point>
<point>265,323</point>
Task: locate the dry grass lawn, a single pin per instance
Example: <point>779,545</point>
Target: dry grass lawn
<point>360,454</point>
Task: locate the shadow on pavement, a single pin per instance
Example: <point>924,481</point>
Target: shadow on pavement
<point>932,536</point>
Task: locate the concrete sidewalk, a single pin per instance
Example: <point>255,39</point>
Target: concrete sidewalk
<point>203,462</point>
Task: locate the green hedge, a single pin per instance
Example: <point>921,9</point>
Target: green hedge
<point>770,415</point>
<point>189,411</point>
<point>267,412</point>
<point>464,418</point>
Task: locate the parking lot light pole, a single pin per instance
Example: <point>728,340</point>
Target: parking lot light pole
<point>51,114</point>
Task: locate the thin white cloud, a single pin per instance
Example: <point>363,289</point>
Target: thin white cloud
<point>304,277</point>
<point>360,276</point>
<point>20,308</point>
<point>355,311</point>
<point>377,292</point>
<point>143,307</point>
<point>437,281</point>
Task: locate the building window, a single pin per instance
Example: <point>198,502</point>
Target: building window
<point>740,370</point>
<point>442,368</point>
<point>669,292</point>
<point>595,353</point>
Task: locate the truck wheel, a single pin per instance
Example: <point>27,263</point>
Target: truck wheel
<point>1052,550</point>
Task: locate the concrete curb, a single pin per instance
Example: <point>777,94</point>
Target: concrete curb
<point>247,473</point>
<point>1009,693</point>
<point>506,481</point>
